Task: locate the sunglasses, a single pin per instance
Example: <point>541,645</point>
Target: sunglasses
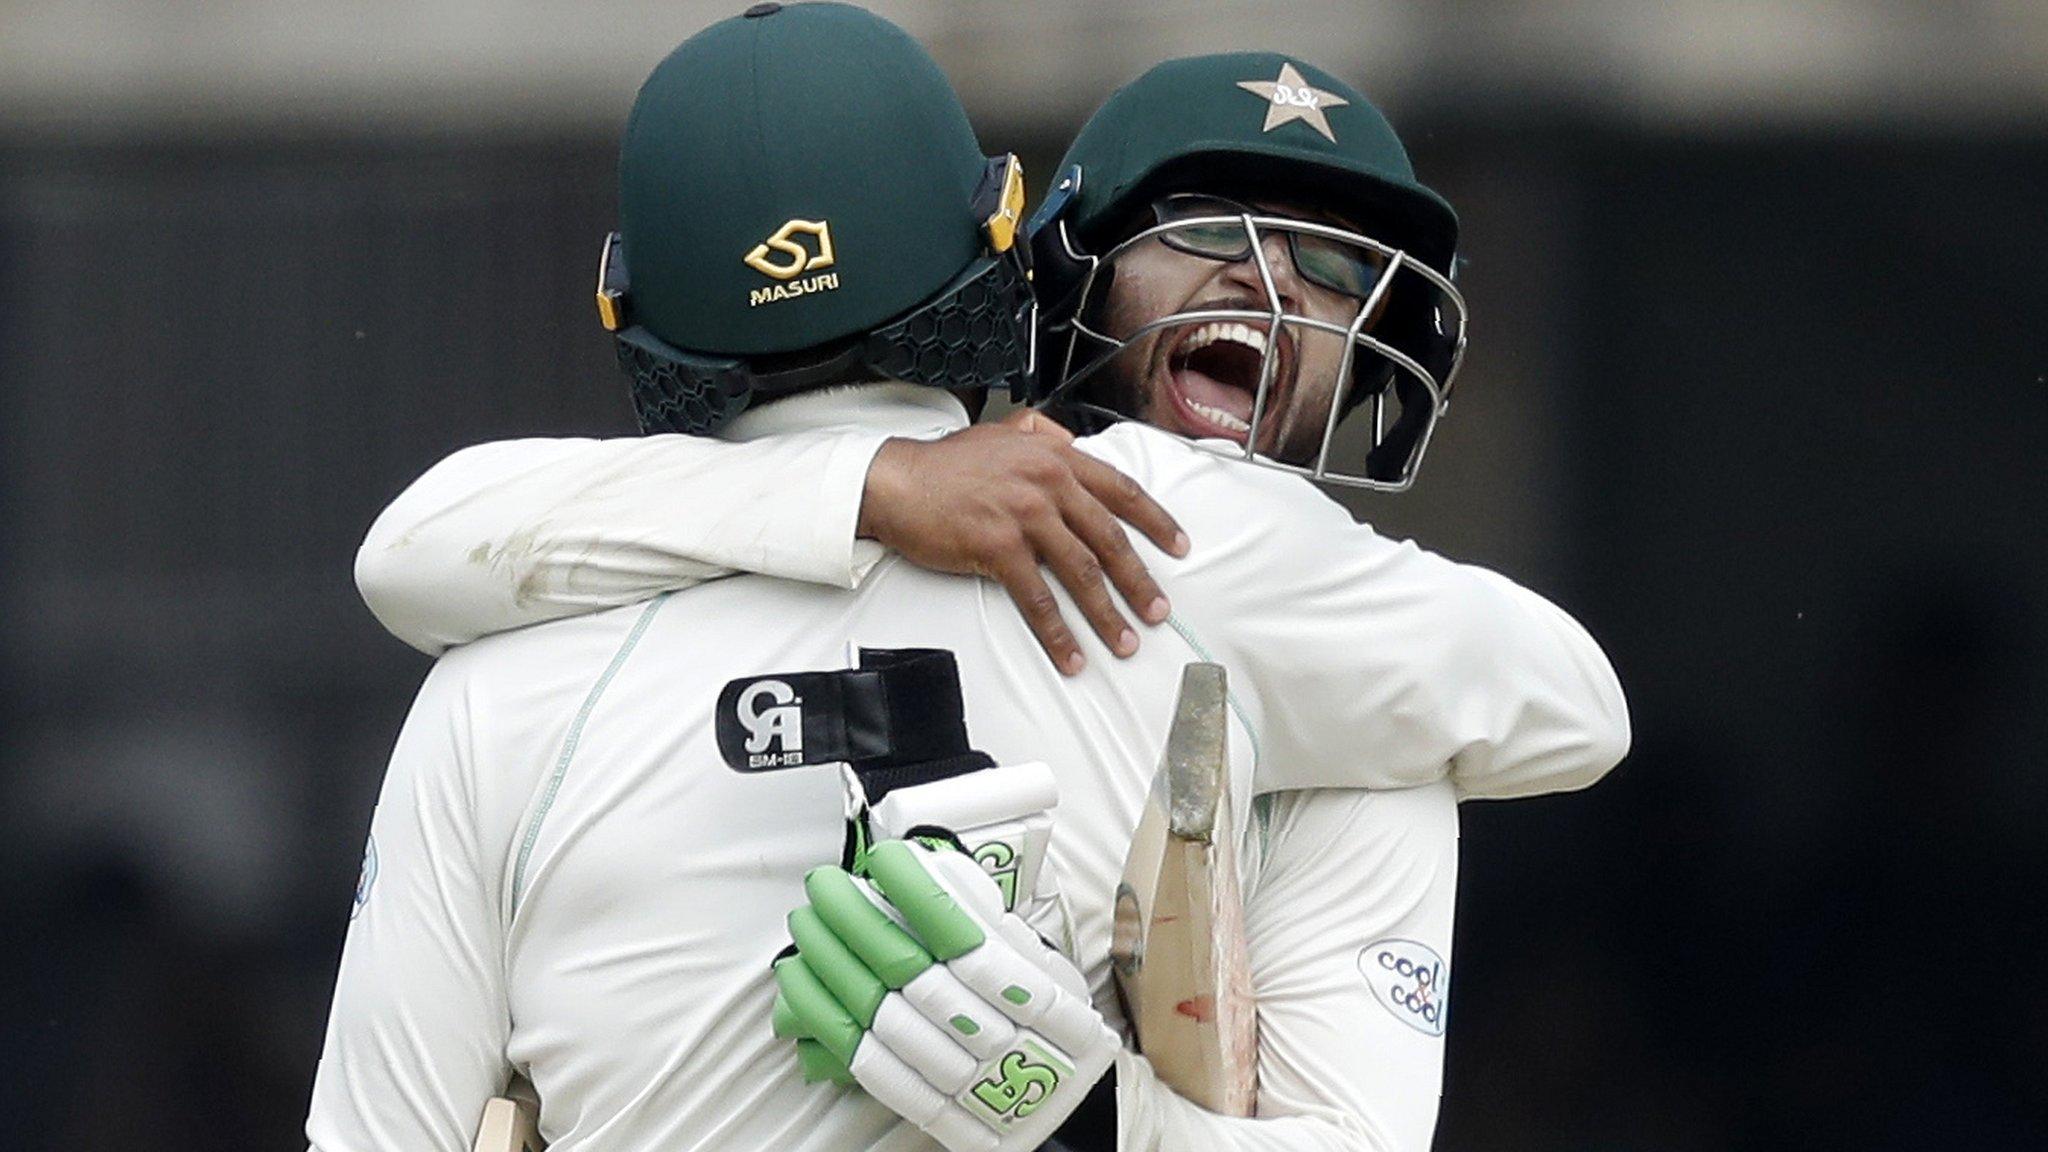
<point>1340,266</point>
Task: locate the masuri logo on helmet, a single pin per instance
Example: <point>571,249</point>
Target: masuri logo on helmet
<point>816,122</point>
<point>800,260</point>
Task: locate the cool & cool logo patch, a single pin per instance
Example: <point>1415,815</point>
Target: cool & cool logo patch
<point>1410,980</point>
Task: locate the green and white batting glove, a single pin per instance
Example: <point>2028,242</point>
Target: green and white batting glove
<point>920,988</point>
<point>1002,817</point>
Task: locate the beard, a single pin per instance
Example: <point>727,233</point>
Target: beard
<point>1120,387</point>
<point>1115,385</point>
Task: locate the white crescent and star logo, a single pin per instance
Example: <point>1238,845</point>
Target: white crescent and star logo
<point>1290,97</point>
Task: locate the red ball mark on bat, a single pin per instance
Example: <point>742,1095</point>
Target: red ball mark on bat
<point>1200,1009</point>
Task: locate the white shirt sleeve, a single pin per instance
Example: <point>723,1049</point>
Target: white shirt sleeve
<point>1365,662</point>
<point>1349,924</point>
<point>416,1036</point>
<point>513,533</point>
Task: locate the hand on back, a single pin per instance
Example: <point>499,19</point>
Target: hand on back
<point>1000,500</point>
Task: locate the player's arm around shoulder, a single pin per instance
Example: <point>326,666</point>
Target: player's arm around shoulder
<point>502,535</point>
<point>1362,661</point>
<point>509,534</point>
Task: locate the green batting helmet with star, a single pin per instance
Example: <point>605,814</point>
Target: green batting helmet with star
<point>1260,127</point>
<point>1259,118</point>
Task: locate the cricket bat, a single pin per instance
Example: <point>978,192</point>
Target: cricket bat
<point>1178,948</point>
<point>511,1122</point>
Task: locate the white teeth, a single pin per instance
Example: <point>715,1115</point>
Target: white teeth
<point>1219,417</point>
<point>1207,334</point>
<point>1210,333</point>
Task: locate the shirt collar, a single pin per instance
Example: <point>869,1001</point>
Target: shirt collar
<point>890,407</point>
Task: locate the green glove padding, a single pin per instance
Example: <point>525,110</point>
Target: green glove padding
<point>832,962</point>
<point>820,1016</point>
<point>914,984</point>
<point>915,892</point>
<point>820,1065</point>
<point>888,951</point>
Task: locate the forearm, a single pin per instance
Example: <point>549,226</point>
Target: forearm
<point>1394,672</point>
<point>1365,662</point>
<point>1152,1118</point>
<point>517,532</point>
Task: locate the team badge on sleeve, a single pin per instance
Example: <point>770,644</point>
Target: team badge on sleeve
<point>1410,980</point>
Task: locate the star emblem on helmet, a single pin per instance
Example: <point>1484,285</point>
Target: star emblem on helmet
<point>1290,98</point>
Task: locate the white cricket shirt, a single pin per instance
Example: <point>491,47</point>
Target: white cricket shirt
<point>568,881</point>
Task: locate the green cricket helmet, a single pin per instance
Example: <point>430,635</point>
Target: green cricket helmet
<point>1232,157</point>
<point>802,202</point>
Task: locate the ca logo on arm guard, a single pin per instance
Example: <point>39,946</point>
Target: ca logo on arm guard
<point>793,720</point>
<point>772,714</point>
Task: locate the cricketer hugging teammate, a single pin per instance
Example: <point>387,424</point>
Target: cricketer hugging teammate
<point>822,771</point>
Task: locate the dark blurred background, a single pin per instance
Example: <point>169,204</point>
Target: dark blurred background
<point>1758,389</point>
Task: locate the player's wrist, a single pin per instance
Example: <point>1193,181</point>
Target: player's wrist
<point>889,483</point>
<point>1092,1126</point>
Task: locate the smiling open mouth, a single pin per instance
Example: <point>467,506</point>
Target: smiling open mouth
<point>1215,377</point>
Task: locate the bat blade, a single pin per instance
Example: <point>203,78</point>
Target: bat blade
<point>1179,947</point>
<point>511,1123</point>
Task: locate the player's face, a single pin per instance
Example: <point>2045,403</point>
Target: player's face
<point>1200,379</point>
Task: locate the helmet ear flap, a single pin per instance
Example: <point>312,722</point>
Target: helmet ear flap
<point>999,204</point>
<point>1391,460</point>
<point>675,391</point>
<point>1060,270</point>
<point>1412,326</point>
<point>1058,266</point>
